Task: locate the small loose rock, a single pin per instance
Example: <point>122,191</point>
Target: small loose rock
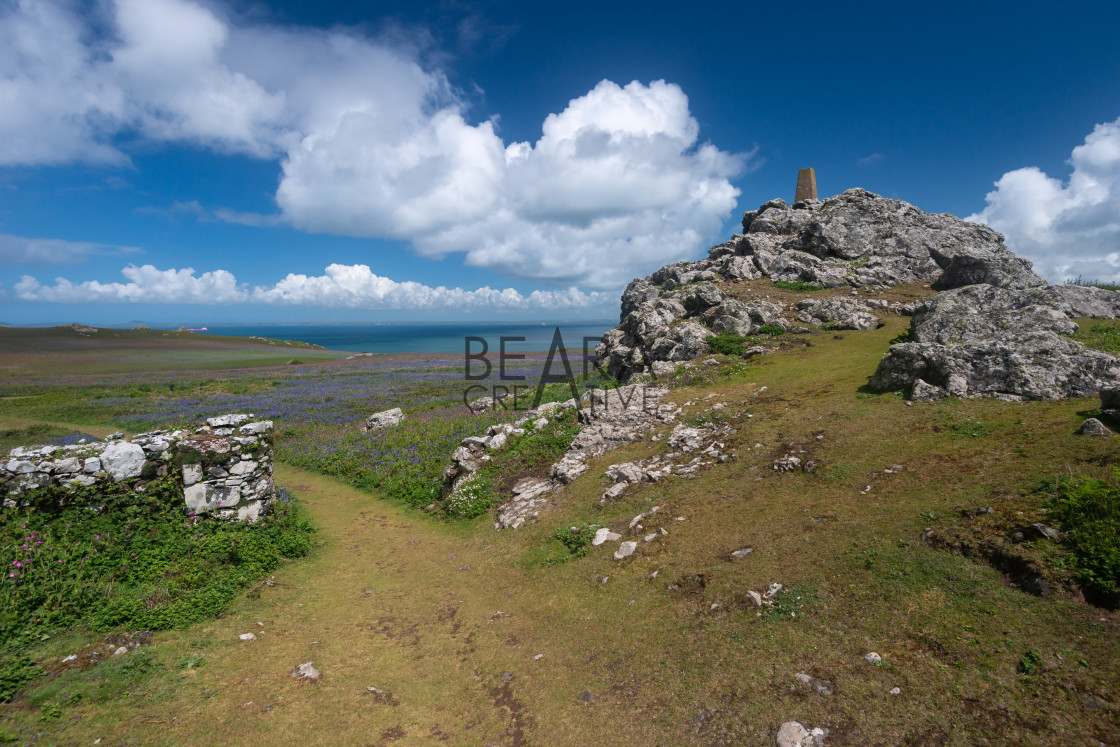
<point>307,672</point>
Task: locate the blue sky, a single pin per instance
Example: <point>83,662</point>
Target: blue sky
<point>205,161</point>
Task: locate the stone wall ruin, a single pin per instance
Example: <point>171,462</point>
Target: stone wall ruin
<point>226,466</point>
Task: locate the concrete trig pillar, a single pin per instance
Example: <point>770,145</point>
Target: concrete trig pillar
<point>806,185</point>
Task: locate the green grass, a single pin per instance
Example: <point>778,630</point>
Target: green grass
<point>1103,336</point>
<point>798,285</point>
<point>36,433</point>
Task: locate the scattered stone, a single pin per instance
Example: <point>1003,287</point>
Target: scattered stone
<point>625,550</point>
<point>772,592</point>
<point>610,419</point>
<point>588,697</point>
<point>604,534</point>
<point>1093,702</point>
<point>1049,533</point>
<point>613,492</point>
<point>822,687</point>
<point>1094,427</point>
<point>383,696</point>
<point>306,672</point>
<point>896,691</point>
<point>873,658</point>
<point>121,650</point>
<point>755,597</point>
<point>787,463</point>
<point>793,734</point>
<point>383,419</point>
<point>538,657</point>
<point>742,553</point>
<point>247,637</point>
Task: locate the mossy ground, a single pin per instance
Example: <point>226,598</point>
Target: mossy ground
<point>399,601</point>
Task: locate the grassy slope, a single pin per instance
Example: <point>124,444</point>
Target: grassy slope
<point>667,667</point>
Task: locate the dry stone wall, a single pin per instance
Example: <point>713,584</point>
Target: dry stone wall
<point>226,466</point>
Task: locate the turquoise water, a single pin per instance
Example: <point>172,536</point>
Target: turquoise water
<point>421,338</point>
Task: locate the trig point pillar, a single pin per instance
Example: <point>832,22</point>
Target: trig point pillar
<point>806,185</point>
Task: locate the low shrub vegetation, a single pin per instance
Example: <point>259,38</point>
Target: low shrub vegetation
<point>139,561</point>
<point>798,285</point>
<point>727,343</point>
<point>1088,512</point>
<point>527,455</point>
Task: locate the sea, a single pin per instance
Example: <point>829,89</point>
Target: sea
<point>423,337</point>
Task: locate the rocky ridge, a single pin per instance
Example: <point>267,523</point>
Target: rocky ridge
<point>993,329</point>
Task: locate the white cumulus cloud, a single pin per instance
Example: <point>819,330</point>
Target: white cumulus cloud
<point>372,140</point>
<point>1068,229</point>
<point>616,185</point>
<point>341,286</point>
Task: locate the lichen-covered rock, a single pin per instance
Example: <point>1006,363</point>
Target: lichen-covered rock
<point>793,734</point>
<point>862,238</point>
<point>839,312</point>
<point>1093,427</point>
<point>1041,367</point>
<point>1001,270</point>
<point>984,312</point>
<point>984,341</point>
<point>123,460</point>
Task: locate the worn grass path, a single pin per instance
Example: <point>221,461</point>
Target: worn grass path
<point>388,600</point>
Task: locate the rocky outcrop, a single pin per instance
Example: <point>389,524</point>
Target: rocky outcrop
<point>853,240</point>
<point>861,239</point>
<point>673,326</point>
<point>995,329</point>
<point>984,341</point>
<point>226,466</point>
<point>610,418</point>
